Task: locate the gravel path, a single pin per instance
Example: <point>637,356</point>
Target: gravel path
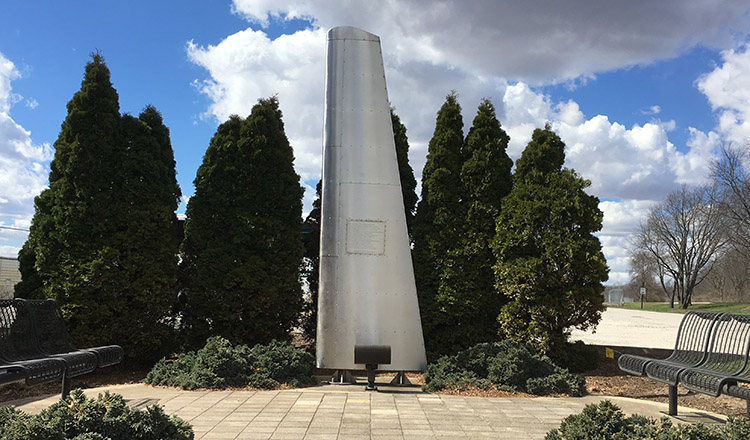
<point>633,328</point>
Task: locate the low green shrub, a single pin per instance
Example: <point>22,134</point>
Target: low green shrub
<point>560,381</point>
<point>577,357</point>
<point>507,365</point>
<point>106,418</point>
<point>606,421</point>
<point>220,364</point>
<point>280,362</point>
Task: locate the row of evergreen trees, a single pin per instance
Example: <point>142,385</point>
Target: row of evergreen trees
<point>502,255</point>
<point>496,254</point>
<point>104,239</point>
<point>463,184</point>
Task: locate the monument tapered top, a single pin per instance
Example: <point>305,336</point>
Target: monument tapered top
<point>351,33</point>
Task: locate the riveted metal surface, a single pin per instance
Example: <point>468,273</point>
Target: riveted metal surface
<point>367,294</point>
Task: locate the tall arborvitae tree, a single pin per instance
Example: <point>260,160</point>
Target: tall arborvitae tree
<point>311,266</point>
<point>486,177</point>
<point>550,265</point>
<point>149,254</point>
<point>437,234</point>
<point>80,219</point>
<point>32,282</point>
<point>242,248</point>
<point>102,237</point>
<point>405,172</point>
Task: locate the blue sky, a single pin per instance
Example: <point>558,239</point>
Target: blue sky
<point>642,93</point>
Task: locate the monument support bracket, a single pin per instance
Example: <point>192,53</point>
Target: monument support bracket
<point>401,380</point>
<point>342,377</point>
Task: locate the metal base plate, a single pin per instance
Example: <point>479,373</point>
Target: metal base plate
<point>342,377</point>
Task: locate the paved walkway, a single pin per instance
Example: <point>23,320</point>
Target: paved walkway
<point>348,412</point>
<point>340,412</point>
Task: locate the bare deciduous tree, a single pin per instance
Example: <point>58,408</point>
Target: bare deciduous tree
<point>730,278</point>
<point>683,236</point>
<point>643,271</point>
<point>730,172</point>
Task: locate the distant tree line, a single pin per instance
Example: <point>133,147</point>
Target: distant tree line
<point>497,254</point>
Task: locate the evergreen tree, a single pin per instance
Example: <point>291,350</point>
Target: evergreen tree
<point>242,248</point>
<point>149,254</point>
<point>80,219</point>
<point>102,239</point>
<point>550,265</point>
<point>486,178</point>
<point>405,172</point>
<point>437,234</point>
<point>32,283</point>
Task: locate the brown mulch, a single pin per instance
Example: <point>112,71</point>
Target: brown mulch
<point>605,380</point>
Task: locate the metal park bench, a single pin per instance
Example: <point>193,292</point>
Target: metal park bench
<point>726,364</point>
<point>718,367</point>
<point>18,349</point>
<point>53,335</point>
<point>691,347</point>
<point>22,356</point>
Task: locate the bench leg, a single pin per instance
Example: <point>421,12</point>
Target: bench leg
<point>672,400</point>
<point>65,386</point>
<point>747,403</point>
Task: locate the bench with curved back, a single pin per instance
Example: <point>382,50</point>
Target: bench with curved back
<point>76,363</point>
<point>724,362</point>
<point>53,335</point>
<point>693,337</point>
<point>34,346</point>
<point>727,357</point>
<point>19,351</point>
<point>669,372</point>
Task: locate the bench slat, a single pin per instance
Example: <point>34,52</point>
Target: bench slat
<point>727,357</point>
<point>77,362</point>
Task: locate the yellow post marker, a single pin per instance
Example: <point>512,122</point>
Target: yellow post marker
<point>608,352</point>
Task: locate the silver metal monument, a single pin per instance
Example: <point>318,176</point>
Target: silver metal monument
<point>367,296</point>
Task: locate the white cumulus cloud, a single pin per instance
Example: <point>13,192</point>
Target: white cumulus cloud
<point>24,167</point>
<point>528,41</point>
<point>482,49</point>
<point>628,167</point>
<point>248,65</point>
<point>727,88</point>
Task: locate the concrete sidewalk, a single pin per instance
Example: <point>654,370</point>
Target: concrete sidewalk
<point>343,412</point>
<point>633,328</point>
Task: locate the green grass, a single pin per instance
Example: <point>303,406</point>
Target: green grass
<point>738,308</point>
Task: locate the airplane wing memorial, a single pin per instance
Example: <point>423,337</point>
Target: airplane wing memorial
<point>368,314</point>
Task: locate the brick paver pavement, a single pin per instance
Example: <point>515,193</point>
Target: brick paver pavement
<point>347,412</point>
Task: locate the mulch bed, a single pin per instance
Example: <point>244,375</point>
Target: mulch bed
<point>605,380</point>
